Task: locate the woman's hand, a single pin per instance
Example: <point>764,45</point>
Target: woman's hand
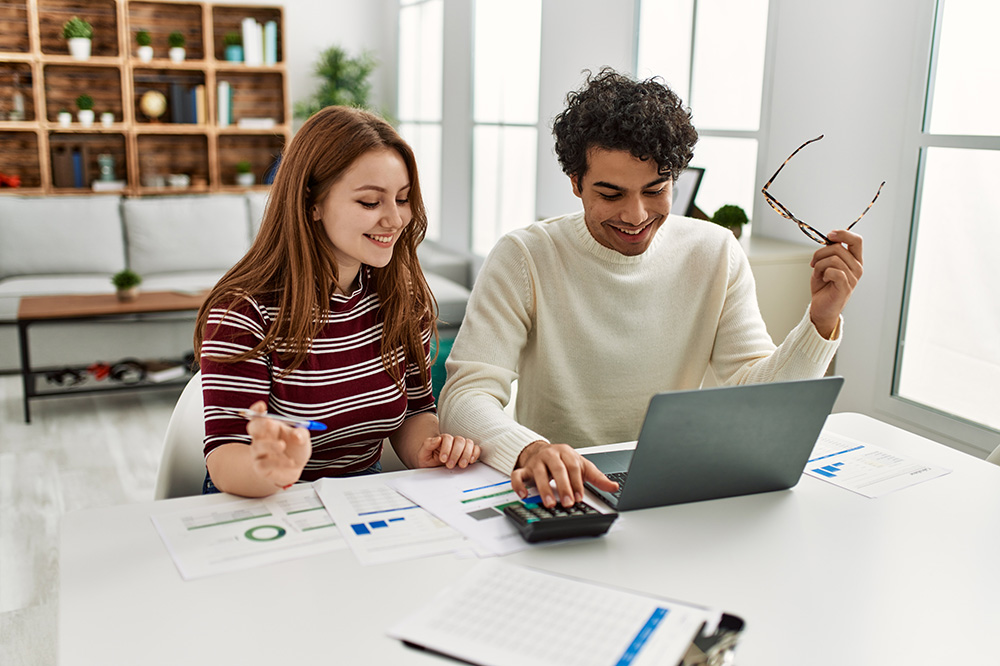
<point>278,452</point>
<point>447,450</point>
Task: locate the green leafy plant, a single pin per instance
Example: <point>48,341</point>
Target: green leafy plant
<point>345,81</point>
<point>142,38</point>
<point>85,102</point>
<point>244,166</point>
<point>730,216</point>
<point>77,27</point>
<point>232,39</point>
<point>176,39</point>
<point>126,279</point>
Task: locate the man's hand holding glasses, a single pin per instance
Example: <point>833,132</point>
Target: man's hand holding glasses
<point>837,266</point>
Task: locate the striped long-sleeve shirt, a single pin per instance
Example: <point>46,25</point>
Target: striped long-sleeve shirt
<point>342,383</point>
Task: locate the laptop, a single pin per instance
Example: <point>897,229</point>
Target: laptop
<point>719,442</point>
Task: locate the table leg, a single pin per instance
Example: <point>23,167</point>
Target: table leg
<point>22,337</point>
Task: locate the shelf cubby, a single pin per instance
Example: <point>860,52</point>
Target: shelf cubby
<point>14,27</point>
<point>102,15</point>
<point>230,19</point>
<point>65,148</point>
<point>261,150</point>
<point>160,19</point>
<point>16,77</point>
<point>19,157</point>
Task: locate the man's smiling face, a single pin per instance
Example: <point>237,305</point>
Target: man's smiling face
<point>625,199</point>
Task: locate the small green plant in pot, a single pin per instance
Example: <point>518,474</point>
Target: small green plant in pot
<point>78,35</point>
<point>145,42</point>
<point>234,46</point>
<point>731,217</point>
<point>85,104</point>
<point>176,40</point>
<point>244,173</point>
<point>126,283</point>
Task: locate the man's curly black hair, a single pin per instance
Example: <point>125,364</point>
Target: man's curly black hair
<point>614,112</point>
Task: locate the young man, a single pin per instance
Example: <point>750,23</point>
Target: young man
<point>593,313</point>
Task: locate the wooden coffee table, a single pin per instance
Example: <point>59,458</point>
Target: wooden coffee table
<point>92,307</point>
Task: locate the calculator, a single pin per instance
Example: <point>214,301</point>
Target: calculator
<point>537,523</point>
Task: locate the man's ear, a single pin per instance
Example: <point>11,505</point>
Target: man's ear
<point>577,188</point>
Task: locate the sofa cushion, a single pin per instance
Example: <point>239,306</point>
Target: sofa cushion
<point>192,233</point>
<point>451,297</point>
<point>87,231</point>
<point>257,201</point>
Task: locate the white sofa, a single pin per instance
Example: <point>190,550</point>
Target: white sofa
<point>60,245</point>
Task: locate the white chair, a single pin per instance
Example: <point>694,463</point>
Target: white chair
<point>994,457</point>
<point>182,467</point>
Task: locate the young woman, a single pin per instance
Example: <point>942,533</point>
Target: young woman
<point>327,318</point>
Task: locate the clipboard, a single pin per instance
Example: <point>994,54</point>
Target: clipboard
<point>500,614</point>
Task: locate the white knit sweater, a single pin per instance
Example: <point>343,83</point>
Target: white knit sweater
<point>591,334</point>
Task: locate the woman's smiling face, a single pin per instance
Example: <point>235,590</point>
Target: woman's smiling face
<point>625,199</point>
<point>365,211</point>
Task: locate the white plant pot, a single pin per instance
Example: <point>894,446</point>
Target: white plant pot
<point>86,117</point>
<point>176,54</point>
<point>79,48</point>
<point>145,53</point>
<point>107,119</point>
<point>245,179</point>
<point>65,119</point>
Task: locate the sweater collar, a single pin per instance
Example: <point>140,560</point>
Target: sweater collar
<point>606,254</point>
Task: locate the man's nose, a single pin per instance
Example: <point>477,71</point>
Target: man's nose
<point>633,211</point>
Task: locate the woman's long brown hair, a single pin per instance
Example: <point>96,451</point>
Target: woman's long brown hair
<point>292,256</point>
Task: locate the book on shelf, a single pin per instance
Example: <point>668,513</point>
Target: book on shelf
<point>177,105</point>
<point>253,46</point>
<point>200,115</point>
<point>223,103</point>
<point>270,43</point>
<point>78,177</point>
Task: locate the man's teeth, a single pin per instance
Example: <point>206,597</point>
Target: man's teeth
<point>380,239</point>
<point>631,232</point>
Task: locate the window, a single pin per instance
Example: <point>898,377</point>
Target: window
<point>947,357</point>
<point>711,53</point>
<point>505,117</point>
<point>420,96</point>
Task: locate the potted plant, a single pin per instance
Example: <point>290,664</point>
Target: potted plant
<point>65,117</point>
<point>85,104</point>
<point>244,174</point>
<point>126,284</point>
<point>176,40</point>
<point>344,82</point>
<point>145,42</point>
<point>78,34</point>
<point>107,118</point>
<point>234,46</point>
<point>731,217</point>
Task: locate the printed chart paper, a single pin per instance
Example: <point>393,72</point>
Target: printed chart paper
<point>524,617</point>
<point>865,469</point>
<point>471,500</point>
<point>380,525</point>
<point>248,533</point>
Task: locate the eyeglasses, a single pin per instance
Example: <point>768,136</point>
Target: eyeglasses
<point>784,212</point>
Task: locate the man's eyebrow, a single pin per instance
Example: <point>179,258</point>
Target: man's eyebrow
<point>618,188</point>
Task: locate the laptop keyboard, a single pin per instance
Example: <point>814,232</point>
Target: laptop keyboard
<point>619,477</point>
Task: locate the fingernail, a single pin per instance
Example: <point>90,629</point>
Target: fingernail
<point>579,497</point>
<point>522,493</point>
<point>567,500</point>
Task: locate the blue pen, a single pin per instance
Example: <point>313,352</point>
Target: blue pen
<point>298,423</point>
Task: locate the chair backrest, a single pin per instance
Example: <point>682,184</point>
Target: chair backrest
<point>182,467</point>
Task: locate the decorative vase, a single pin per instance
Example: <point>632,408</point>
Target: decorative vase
<point>176,54</point>
<point>245,179</point>
<point>86,117</point>
<point>65,118</point>
<point>79,48</point>
<point>107,119</point>
<point>145,53</point>
<point>234,53</point>
<point>127,295</point>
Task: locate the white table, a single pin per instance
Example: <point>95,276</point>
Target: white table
<point>821,575</point>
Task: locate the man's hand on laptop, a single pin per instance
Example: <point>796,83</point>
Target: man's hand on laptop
<point>541,462</point>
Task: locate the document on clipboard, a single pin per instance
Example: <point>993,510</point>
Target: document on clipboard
<point>524,617</point>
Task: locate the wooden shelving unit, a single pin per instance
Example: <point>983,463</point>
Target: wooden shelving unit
<point>35,61</point>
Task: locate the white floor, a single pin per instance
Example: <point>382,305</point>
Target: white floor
<point>78,453</point>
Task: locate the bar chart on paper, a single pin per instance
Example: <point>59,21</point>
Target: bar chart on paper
<point>865,469</point>
<point>380,525</point>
